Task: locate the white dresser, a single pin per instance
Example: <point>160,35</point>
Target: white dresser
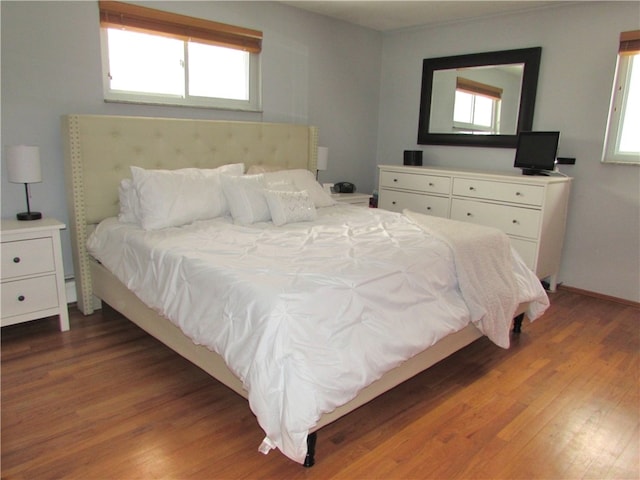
<point>531,210</point>
<point>32,272</point>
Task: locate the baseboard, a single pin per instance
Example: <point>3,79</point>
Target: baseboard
<point>70,289</point>
<point>600,296</point>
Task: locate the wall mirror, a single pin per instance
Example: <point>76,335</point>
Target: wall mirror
<point>481,99</point>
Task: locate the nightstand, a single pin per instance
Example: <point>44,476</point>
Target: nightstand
<point>360,199</point>
<point>32,272</point>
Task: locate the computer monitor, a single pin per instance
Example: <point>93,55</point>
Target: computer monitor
<point>536,152</point>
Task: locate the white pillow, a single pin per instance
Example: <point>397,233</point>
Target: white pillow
<point>290,207</point>
<point>255,169</point>
<point>129,203</point>
<point>245,197</point>
<point>303,180</point>
<point>171,198</point>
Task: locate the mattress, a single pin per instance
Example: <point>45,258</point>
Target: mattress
<point>305,314</point>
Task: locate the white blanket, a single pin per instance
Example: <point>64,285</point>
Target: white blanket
<point>305,315</point>
<point>483,260</point>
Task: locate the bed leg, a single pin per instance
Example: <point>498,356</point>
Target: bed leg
<point>517,323</point>
<point>310,459</point>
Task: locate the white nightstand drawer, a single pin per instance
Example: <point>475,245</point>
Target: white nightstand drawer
<point>429,204</point>
<point>27,257</point>
<point>410,181</point>
<point>31,295</point>
<point>359,199</point>
<point>503,192</point>
<point>517,221</point>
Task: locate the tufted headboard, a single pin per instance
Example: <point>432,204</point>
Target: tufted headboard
<point>100,148</point>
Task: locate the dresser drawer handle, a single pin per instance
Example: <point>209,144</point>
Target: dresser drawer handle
<point>21,298</point>
<point>514,222</point>
<point>16,259</point>
<point>469,214</point>
<point>518,194</point>
<point>428,208</point>
<point>393,203</point>
<point>395,179</point>
<point>431,184</point>
<point>472,188</point>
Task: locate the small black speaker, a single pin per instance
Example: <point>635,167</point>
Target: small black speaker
<point>413,157</point>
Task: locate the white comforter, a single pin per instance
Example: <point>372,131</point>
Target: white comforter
<point>307,314</point>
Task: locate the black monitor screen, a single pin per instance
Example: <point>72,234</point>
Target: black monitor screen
<point>536,151</point>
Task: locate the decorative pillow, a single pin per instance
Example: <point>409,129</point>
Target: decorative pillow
<point>255,169</point>
<point>129,203</point>
<point>170,198</point>
<point>245,197</point>
<point>303,180</point>
<point>290,207</point>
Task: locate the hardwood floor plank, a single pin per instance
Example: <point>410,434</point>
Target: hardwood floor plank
<point>106,401</point>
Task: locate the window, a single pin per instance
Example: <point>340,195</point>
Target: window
<point>476,107</point>
<point>622,142</point>
<point>151,56</point>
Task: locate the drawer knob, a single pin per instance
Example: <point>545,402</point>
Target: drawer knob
<point>514,221</point>
<point>393,203</point>
<point>16,259</point>
<point>21,298</point>
<point>472,188</point>
<point>395,179</point>
<point>518,194</point>
<point>469,214</point>
<point>431,184</point>
<point>428,208</point>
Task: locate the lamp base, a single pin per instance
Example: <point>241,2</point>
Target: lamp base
<point>29,216</point>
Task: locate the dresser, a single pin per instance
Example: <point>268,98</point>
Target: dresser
<point>32,272</point>
<point>531,210</point>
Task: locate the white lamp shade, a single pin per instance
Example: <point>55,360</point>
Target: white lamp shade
<point>23,164</point>
<point>323,158</point>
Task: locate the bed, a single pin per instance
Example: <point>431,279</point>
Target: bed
<point>99,151</point>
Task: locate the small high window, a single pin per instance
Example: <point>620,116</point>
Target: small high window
<point>151,56</point>
<point>622,142</point>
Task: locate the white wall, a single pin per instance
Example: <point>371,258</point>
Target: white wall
<point>362,89</point>
<point>579,46</point>
<point>314,70</point>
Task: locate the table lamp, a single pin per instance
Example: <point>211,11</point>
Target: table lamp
<point>323,160</point>
<point>23,166</point>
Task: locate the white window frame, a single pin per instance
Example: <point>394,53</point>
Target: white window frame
<point>619,103</point>
<point>254,103</point>
<point>477,128</point>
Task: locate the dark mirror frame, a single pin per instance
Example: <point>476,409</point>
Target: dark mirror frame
<point>530,57</point>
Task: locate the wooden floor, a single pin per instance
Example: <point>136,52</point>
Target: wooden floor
<point>106,401</point>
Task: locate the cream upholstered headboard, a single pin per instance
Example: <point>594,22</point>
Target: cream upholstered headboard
<point>100,148</point>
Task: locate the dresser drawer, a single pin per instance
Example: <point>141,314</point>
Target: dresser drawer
<point>527,251</point>
<point>503,192</point>
<point>429,204</point>
<point>31,295</point>
<point>27,257</point>
<point>413,181</point>
<point>517,221</point>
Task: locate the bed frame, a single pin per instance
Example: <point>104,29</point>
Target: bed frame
<point>98,152</point>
